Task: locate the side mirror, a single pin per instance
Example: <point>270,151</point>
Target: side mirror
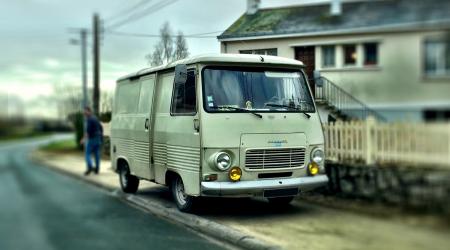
<point>180,74</point>
<point>318,78</point>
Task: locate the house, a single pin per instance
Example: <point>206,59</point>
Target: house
<point>390,57</point>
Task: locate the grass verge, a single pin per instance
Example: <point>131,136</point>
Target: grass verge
<point>65,146</point>
<point>18,136</point>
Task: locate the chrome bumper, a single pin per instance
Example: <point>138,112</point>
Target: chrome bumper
<point>250,188</point>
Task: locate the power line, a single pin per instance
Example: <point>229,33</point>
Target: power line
<point>136,16</point>
<point>128,10</point>
<point>158,36</point>
<point>146,11</point>
<point>207,33</point>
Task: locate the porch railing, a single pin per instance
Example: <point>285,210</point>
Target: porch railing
<point>343,102</point>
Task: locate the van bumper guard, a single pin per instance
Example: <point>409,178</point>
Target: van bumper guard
<point>249,188</point>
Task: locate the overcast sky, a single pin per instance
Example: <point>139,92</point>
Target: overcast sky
<point>37,55</point>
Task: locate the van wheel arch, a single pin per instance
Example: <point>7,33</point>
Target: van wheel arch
<point>170,176</point>
<point>184,202</point>
<point>120,163</point>
<point>128,182</point>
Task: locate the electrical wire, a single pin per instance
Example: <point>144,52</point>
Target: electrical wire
<point>128,10</point>
<point>138,15</point>
<point>117,33</point>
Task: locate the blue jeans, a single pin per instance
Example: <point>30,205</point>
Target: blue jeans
<point>93,146</point>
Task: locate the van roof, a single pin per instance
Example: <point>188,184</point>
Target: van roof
<point>226,58</point>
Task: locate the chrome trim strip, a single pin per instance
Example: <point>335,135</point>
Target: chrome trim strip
<point>257,186</point>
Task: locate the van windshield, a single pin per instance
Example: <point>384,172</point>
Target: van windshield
<point>249,89</point>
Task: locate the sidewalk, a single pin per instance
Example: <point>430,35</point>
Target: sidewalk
<point>74,165</point>
<point>245,221</point>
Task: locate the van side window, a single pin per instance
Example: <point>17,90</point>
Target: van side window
<point>126,99</point>
<point>146,96</point>
<point>184,97</point>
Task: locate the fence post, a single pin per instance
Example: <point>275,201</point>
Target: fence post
<point>369,149</point>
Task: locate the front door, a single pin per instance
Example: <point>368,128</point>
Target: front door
<point>181,133</point>
<point>306,54</point>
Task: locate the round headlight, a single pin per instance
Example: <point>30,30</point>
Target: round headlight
<point>223,161</point>
<point>317,155</point>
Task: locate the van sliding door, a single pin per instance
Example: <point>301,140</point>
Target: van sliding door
<point>142,131</point>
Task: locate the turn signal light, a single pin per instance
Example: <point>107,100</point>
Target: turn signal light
<point>235,174</point>
<point>210,177</point>
<point>313,168</point>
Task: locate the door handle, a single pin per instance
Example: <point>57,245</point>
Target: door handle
<point>146,125</point>
<point>196,125</point>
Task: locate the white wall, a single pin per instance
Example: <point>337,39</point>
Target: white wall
<point>396,83</point>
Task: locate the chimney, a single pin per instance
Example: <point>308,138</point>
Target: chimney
<point>252,6</point>
<point>336,8</point>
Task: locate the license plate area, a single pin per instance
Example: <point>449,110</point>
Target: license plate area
<point>272,193</point>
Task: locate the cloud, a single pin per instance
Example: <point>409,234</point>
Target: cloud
<point>51,63</point>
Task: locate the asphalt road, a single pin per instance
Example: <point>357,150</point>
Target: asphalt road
<point>41,209</point>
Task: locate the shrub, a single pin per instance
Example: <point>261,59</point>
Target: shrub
<point>78,124</point>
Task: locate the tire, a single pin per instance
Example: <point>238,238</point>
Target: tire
<point>281,201</point>
<point>129,183</point>
<point>184,202</point>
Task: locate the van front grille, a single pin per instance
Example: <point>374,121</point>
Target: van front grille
<point>257,159</point>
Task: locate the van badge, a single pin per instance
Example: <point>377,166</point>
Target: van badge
<point>277,143</point>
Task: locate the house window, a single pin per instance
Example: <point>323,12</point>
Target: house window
<point>267,52</point>
<point>437,58</point>
<point>184,96</point>
<point>370,54</point>
<point>350,54</point>
<point>436,115</point>
<point>328,56</point>
<point>246,52</point>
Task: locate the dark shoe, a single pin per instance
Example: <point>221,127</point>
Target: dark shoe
<point>87,172</point>
<point>96,171</point>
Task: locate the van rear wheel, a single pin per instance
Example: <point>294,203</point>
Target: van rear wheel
<point>281,201</point>
<point>183,201</point>
<point>128,182</point>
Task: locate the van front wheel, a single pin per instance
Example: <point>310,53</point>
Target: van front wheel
<point>184,202</point>
<point>129,183</point>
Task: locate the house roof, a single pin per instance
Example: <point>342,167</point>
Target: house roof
<point>220,58</point>
<point>357,16</point>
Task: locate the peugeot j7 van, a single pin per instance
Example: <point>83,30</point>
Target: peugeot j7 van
<point>219,125</point>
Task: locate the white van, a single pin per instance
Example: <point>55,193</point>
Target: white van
<point>219,125</point>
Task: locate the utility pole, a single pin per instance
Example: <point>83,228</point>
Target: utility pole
<point>83,33</point>
<point>96,64</point>
<point>83,44</point>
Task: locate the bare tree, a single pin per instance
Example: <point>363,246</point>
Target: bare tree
<point>181,48</point>
<point>164,51</point>
<point>156,58</point>
<point>166,41</point>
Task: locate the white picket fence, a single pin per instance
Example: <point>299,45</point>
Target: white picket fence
<point>399,144</point>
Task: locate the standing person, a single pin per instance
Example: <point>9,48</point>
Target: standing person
<point>93,137</point>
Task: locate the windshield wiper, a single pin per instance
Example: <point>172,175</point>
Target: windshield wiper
<point>288,107</point>
<point>238,109</point>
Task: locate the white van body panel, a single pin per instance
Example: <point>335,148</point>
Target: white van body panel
<point>154,141</point>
